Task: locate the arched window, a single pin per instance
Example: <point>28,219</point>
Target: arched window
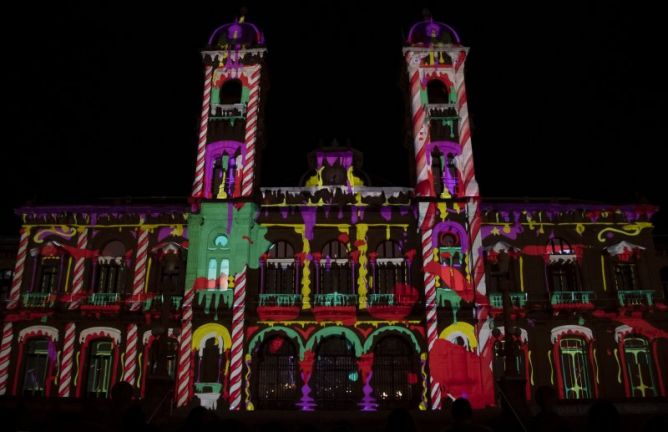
<point>230,92</point>
<point>437,92</point>
<point>563,273</point>
<point>99,370</point>
<point>224,175</point>
<point>276,374</point>
<point>390,267</point>
<point>450,250</point>
<point>335,271</point>
<point>626,275</point>
<point>36,367</point>
<point>210,363</point>
<point>573,360</point>
<point>640,371</point>
<point>336,381</point>
<point>111,269</point>
<point>280,275</point>
<point>395,372</point>
<point>218,267</point>
<point>48,274</point>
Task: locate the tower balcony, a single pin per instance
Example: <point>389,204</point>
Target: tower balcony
<point>228,112</point>
<point>335,307</point>
<point>638,299</point>
<point>572,300</point>
<point>279,307</point>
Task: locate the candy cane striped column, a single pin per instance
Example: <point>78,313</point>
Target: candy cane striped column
<point>78,275</point>
<point>15,293</point>
<point>198,185</point>
<point>140,269</point>
<point>477,259</point>
<point>130,366</point>
<point>183,376</point>
<point>236,363</point>
<point>430,306</point>
<point>5,351</point>
<point>419,120</point>
<point>465,160</point>
<point>251,131</point>
<point>67,361</point>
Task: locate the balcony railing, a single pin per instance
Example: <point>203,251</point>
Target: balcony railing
<point>37,299</point>
<point>158,300</point>
<point>381,299</point>
<point>516,300</point>
<point>441,109</point>
<point>636,298</point>
<point>280,300</point>
<point>103,299</point>
<point>335,299</point>
<point>571,298</point>
<point>229,112</point>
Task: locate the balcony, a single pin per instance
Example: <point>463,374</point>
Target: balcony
<point>517,300</point>
<point>636,298</point>
<point>279,307</point>
<point>335,307</point>
<point>228,112</point>
<point>98,302</point>
<point>572,300</point>
<point>37,300</point>
<point>391,307</point>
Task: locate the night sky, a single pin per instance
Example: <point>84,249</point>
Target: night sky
<point>103,100</point>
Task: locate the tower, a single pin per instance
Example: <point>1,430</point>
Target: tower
<point>448,198</point>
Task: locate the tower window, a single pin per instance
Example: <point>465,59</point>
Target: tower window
<point>230,92</point>
<point>437,92</point>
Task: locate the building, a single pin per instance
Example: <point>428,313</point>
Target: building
<point>335,294</point>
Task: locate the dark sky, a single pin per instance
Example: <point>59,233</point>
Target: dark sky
<point>103,100</point>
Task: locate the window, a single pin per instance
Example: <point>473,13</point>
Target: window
<point>450,251</point>
<point>218,276</point>
<point>163,357</point>
<point>281,274</point>
<point>500,359</point>
<point>437,164</point>
<point>111,271</point>
<point>277,374</point>
<point>394,373</point>
<point>563,272</point>
<point>224,176</point>
<point>575,371</point>
<point>335,377</point>
<point>210,363</point>
<point>100,364</point>
<point>171,274</point>
<point>437,92</point>
<point>390,267</point>
<point>626,276</point>
<point>36,367</point>
<point>48,271</point>
<point>639,367</point>
<point>221,241</point>
<point>335,273</point>
<point>230,92</point>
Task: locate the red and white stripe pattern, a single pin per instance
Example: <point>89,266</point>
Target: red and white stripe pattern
<point>15,293</point>
<point>5,351</point>
<point>66,361</point>
<point>140,269</point>
<point>251,130</point>
<point>130,366</point>
<point>465,160</point>
<point>477,259</point>
<point>426,217</point>
<point>198,185</point>
<point>78,274</point>
<point>236,363</point>
<point>183,376</point>
<point>419,120</point>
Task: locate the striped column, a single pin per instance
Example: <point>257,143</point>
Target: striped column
<point>140,269</point>
<point>251,131</point>
<point>66,362</point>
<point>465,160</point>
<point>419,119</point>
<point>430,306</point>
<point>183,376</point>
<point>477,259</point>
<point>15,293</point>
<point>236,363</point>
<point>130,366</point>
<point>198,185</point>
<point>5,351</point>
<point>78,275</point>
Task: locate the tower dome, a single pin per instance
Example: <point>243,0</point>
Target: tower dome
<point>238,34</point>
<point>429,32</point>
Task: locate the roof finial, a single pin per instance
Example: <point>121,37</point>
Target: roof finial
<point>426,14</point>
<point>242,13</point>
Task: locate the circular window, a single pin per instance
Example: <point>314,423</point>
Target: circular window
<point>221,241</point>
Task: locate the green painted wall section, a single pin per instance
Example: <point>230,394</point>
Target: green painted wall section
<point>368,343</point>
<point>246,239</point>
<point>335,331</point>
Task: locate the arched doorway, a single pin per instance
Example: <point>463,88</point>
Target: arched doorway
<point>395,373</point>
<point>336,380</point>
<point>276,374</point>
